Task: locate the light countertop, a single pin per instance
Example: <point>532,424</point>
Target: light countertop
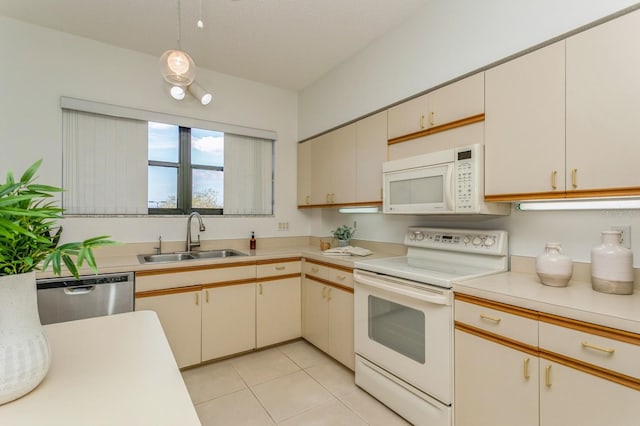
<point>578,300</point>
<point>112,370</point>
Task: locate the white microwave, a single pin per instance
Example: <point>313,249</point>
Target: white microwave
<point>443,182</point>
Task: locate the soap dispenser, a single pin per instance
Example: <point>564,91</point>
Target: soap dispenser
<point>252,241</point>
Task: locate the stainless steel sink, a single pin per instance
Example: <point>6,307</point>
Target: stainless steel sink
<point>182,256</point>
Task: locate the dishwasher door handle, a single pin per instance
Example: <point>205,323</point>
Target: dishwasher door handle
<point>77,291</point>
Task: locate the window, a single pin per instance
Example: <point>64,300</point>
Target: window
<point>119,161</point>
<point>187,172</point>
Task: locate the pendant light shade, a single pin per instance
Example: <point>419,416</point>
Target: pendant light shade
<point>177,68</point>
<point>200,94</point>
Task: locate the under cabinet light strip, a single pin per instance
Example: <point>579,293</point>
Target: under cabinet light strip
<point>609,204</point>
<point>359,210</point>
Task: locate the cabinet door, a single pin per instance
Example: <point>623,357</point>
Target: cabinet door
<point>333,167</point>
<point>494,384</point>
<point>371,152</point>
<point>320,169</point>
<point>304,174</point>
<point>408,117</point>
<point>571,397</point>
<point>462,99</point>
<point>278,311</point>
<point>228,320</point>
<point>316,314</point>
<point>603,100</point>
<point>525,124</point>
<point>179,315</point>
<point>341,326</point>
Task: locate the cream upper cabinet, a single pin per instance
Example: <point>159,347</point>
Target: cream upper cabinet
<point>333,167</point>
<point>228,320</point>
<point>371,152</point>
<point>455,101</point>
<point>179,314</point>
<point>304,174</point>
<point>278,311</point>
<point>494,384</point>
<point>603,100</point>
<point>524,124</point>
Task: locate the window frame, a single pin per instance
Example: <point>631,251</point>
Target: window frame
<point>185,182</point>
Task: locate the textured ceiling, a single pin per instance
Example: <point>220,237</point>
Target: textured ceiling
<point>286,43</point>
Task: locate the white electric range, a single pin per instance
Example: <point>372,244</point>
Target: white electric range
<point>404,317</point>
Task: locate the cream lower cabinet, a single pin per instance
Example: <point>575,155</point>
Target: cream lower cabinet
<point>228,320</point>
<point>576,374</point>
<point>494,384</point>
<point>278,311</point>
<point>180,315</point>
<point>328,311</point>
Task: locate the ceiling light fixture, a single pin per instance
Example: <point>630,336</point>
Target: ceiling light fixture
<point>177,92</point>
<point>200,24</point>
<point>176,66</point>
<point>200,94</point>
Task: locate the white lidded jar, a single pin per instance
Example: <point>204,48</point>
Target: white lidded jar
<point>612,265</point>
<point>554,268</point>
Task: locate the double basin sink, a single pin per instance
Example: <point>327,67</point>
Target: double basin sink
<point>184,256</point>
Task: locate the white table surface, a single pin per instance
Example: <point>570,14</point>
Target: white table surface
<point>113,370</point>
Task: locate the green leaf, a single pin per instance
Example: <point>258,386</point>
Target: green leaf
<point>30,172</point>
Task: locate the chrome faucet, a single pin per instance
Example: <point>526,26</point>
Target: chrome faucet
<point>190,244</point>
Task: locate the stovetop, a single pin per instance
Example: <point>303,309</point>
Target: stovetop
<point>442,256</point>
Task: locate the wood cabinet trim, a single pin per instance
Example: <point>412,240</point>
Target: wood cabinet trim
<point>330,265</point>
<point>608,192</point>
<point>525,196</point>
<point>163,271</point>
<point>603,373</point>
<point>598,330</point>
<point>510,309</point>
<point>229,283</point>
<point>330,283</point>
<point>168,291</point>
<point>282,260</point>
<point>437,129</point>
<point>553,195</point>
<point>496,338</point>
<point>279,277</point>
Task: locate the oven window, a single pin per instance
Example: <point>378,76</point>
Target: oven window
<point>398,327</point>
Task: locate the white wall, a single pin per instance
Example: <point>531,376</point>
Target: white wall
<point>446,40</point>
<point>40,65</point>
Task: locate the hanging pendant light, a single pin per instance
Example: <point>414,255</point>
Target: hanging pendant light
<point>176,66</point>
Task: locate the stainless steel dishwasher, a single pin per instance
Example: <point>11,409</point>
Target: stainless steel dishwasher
<point>65,298</point>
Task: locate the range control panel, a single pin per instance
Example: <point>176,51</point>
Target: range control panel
<point>465,240</point>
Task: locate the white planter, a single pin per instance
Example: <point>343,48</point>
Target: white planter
<point>612,265</point>
<point>24,349</point>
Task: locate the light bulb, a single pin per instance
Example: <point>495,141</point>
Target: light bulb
<point>177,92</point>
<point>200,24</point>
<point>178,62</point>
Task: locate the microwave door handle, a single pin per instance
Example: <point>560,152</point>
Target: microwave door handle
<point>437,299</point>
<point>449,188</point>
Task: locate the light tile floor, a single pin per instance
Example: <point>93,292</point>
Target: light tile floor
<point>292,384</point>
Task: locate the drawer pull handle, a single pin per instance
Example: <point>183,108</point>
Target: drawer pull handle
<point>490,318</point>
<point>586,344</point>
<point>280,268</point>
<point>574,178</point>
<point>422,121</point>
<point>314,270</point>
<point>341,277</point>
<point>554,174</point>
<point>526,368</point>
<point>547,375</point>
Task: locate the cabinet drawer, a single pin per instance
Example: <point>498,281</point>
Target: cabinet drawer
<point>341,277</point>
<point>496,321</point>
<point>280,268</point>
<point>600,351</point>
<point>158,281</point>
<point>316,270</point>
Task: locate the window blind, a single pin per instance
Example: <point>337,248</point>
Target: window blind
<point>248,175</point>
<point>104,164</point>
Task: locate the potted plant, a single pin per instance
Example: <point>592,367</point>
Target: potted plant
<point>29,239</point>
<point>343,234</point>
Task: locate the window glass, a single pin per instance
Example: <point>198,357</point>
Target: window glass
<point>207,148</point>
<point>163,187</point>
<point>164,142</point>
<point>207,189</point>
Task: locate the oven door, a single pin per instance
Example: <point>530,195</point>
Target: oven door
<point>406,328</point>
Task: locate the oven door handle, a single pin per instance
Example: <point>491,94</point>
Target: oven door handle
<point>438,299</point>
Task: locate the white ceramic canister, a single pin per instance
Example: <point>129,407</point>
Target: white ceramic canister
<point>554,268</point>
<point>612,265</point>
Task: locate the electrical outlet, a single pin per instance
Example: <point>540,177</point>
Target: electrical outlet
<point>626,234</point>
